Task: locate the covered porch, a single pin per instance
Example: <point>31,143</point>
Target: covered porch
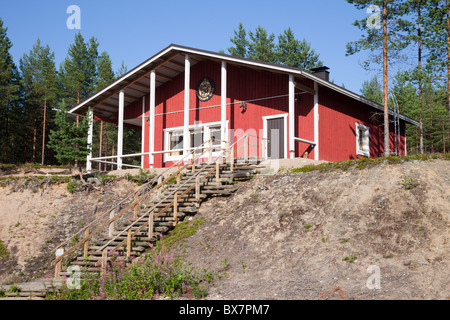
<point>130,101</point>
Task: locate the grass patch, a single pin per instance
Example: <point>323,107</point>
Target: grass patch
<point>409,183</point>
<point>308,226</point>
<point>350,258</point>
<point>181,232</point>
<point>144,176</point>
<point>3,251</point>
<point>365,163</point>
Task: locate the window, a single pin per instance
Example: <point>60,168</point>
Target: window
<point>362,140</point>
<point>215,132</point>
<point>198,134</point>
<point>196,139</point>
<point>176,142</point>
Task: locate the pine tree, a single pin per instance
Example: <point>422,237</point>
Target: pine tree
<point>389,37</point>
<point>105,73</point>
<point>9,94</point>
<point>105,76</point>
<point>78,71</point>
<point>288,51</point>
<point>123,69</point>
<point>240,42</point>
<point>373,90</point>
<point>261,46</point>
<point>39,80</point>
<point>68,141</point>
<point>437,40</point>
<point>295,53</point>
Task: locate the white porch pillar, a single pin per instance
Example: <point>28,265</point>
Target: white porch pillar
<point>316,121</point>
<point>143,132</point>
<point>291,117</point>
<point>223,104</point>
<point>120,129</point>
<point>187,85</point>
<point>90,116</point>
<point>152,118</point>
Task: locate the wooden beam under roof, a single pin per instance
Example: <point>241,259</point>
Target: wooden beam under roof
<point>135,90</point>
<point>163,76</point>
<point>304,88</point>
<point>170,69</point>
<point>128,83</point>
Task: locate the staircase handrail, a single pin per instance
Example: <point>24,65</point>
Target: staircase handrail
<point>131,205</point>
<point>148,212</point>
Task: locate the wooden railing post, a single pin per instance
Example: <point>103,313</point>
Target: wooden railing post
<point>59,252</point>
<point>210,151</point>
<point>104,259</point>
<point>246,148</point>
<point>136,198</point>
<point>193,161</point>
<point>111,227</point>
<point>86,244</point>
<point>232,158</point>
<point>58,269</point>
<point>217,171</point>
<point>150,226</point>
<point>175,208</point>
<point>179,178</point>
<point>197,189</point>
<point>264,149</point>
<point>160,190</point>
<point>129,243</point>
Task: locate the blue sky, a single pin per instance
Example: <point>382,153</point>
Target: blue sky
<point>134,30</point>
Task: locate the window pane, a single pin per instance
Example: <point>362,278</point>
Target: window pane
<point>196,139</point>
<point>362,142</point>
<point>217,134</point>
<point>176,140</point>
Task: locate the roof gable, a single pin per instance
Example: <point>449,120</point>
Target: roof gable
<point>170,63</point>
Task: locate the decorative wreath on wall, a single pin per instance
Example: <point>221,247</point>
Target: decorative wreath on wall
<point>205,89</point>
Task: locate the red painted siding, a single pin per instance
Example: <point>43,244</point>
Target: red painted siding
<point>266,94</point>
<point>338,116</point>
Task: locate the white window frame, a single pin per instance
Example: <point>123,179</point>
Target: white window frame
<point>366,151</point>
<point>206,136</point>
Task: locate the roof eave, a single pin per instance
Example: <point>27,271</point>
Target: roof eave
<point>238,60</point>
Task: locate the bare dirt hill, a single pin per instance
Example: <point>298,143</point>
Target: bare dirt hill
<point>324,235</point>
<point>37,214</point>
<point>314,235</point>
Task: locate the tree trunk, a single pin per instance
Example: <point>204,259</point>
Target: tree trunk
<point>34,135</point>
<point>443,132</point>
<point>5,138</point>
<point>419,33</point>
<point>448,54</point>
<point>387,145</point>
<point>43,125</point>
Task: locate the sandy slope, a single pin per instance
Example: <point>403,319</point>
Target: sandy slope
<point>257,243</point>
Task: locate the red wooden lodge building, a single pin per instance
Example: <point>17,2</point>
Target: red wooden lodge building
<point>182,97</point>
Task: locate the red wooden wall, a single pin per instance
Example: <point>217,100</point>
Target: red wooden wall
<point>338,113</point>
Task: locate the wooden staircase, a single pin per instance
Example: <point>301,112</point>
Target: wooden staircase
<point>163,223</point>
<point>137,222</point>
